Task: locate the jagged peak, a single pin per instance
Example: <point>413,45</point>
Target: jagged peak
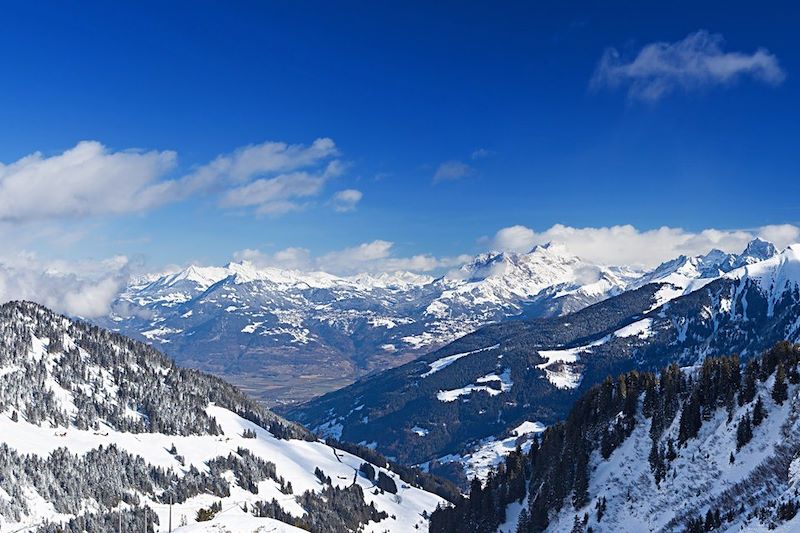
<point>757,250</point>
<point>774,273</point>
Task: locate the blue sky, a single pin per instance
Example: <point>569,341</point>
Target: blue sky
<point>497,99</point>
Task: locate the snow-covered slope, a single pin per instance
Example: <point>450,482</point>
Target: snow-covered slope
<point>96,429</point>
<point>702,477</point>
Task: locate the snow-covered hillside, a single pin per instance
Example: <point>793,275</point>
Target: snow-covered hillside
<point>714,447</point>
<point>97,429</point>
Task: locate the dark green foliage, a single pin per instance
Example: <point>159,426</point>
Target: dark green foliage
<point>690,419</point>
<point>411,475</point>
<point>557,467</point>
<point>367,470</point>
<point>657,462</point>
<point>334,510</point>
<point>671,454</point>
<point>748,390</point>
<point>600,508</point>
<point>136,519</point>
<point>787,510</point>
<point>695,525</point>
<point>204,515</point>
<point>386,483</point>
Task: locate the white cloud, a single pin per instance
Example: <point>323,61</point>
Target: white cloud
<point>90,179</point>
<point>346,200</point>
<point>293,258</point>
<point>374,256</point>
<point>695,62</point>
<point>266,158</point>
<point>627,245</point>
<point>515,238</point>
<point>780,234</point>
<point>85,180</point>
<point>272,178</point>
<point>451,170</point>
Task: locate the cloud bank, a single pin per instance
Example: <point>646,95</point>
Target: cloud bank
<point>627,245</point>
<point>696,62</point>
<point>85,289</point>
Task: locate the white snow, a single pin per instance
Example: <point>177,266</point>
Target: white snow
<point>773,276</point>
<point>528,427</point>
<point>639,329</point>
<point>561,368</point>
<point>454,394</point>
<point>444,362</point>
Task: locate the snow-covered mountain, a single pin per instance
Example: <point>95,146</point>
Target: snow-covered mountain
<point>683,270</point>
<point>287,335</point>
<point>314,332</point>
<point>98,431</point>
<point>713,447</point>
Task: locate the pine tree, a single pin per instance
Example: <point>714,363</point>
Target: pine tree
<point>748,390</point>
<point>600,507</point>
<point>524,522</point>
<point>581,485</point>
<point>657,466</point>
<point>607,444</point>
<point>650,399</point>
<point>759,413</point>
<point>671,453</point>
<point>744,431</point>
<point>690,419</point>
<point>780,391</point>
<point>709,523</point>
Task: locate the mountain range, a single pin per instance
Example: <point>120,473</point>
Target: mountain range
<point>287,336</point>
